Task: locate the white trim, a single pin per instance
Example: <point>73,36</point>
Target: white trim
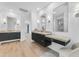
<point>9,41</point>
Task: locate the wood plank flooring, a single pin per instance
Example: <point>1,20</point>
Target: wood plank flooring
<point>21,49</point>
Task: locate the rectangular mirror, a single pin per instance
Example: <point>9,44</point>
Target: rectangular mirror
<point>60,18</point>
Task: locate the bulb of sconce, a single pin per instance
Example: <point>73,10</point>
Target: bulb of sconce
<point>48,17</point>
<point>4,21</point>
<point>38,8</point>
<point>18,21</point>
<point>38,21</point>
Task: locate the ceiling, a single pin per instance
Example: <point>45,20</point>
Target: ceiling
<point>25,5</point>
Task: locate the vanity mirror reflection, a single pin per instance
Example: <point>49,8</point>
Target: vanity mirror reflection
<point>60,18</point>
<point>13,23</point>
<point>43,22</point>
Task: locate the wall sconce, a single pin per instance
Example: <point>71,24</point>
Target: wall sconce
<point>77,15</point>
<point>4,21</point>
<point>48,19</point>
<point>38,9</point>
<point>76,11</point>
<point>18,22</point>
<point>38,21</point>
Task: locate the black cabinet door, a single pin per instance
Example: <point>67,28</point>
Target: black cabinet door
<point>3,36</point>
<point>9,36</point>
<point>41,39</point>
<point>14,35</point>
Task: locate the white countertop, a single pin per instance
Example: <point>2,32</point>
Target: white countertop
<point>43,33</point>
<point>58,37</point>
<point>2,31</point>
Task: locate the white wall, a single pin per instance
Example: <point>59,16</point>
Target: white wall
<point>3,18</point>
<point>2,25</point>
<point>34,20</point>
<point>73,22</point>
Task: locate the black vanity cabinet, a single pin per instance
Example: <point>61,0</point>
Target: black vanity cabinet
<point>41,39</point>
<point>9,36</point>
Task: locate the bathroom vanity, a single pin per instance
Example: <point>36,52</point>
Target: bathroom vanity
<point>46,39</point>
<point>9,36</point>
<point>40,38</point>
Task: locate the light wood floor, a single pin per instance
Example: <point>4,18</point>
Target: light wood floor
<point>22,49</point>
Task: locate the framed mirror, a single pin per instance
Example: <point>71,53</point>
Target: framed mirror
<point>60,18</point>
<point>11,23</point>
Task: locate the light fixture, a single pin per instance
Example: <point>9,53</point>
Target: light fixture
<point>76,11</point>
<point>38,21</point>
<point>18,22</point>
<point>77,14</point>
<point>38,8</point>
<point>4,21</point>
<point>24,10</point>
<point>48,19</point>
